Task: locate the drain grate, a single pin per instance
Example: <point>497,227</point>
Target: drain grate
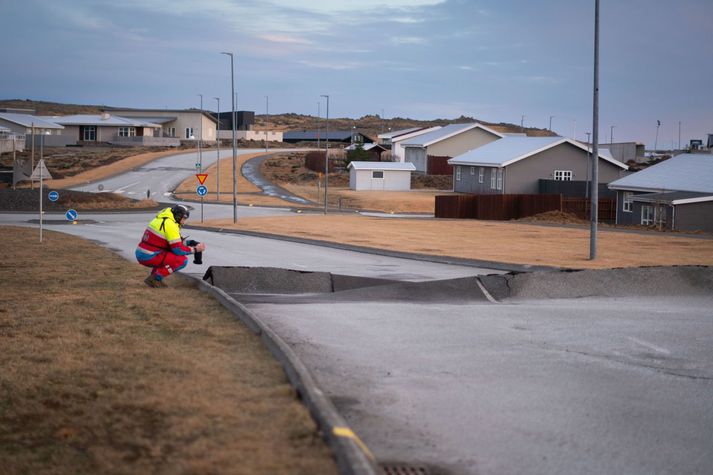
<point>404,469</point>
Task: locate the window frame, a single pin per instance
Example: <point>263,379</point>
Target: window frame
<point>481,175</point>
<point>189,132</point>
<point>89,133</point>
<point>375,172</point>
<point>500,179</point>
<point>627,205</point>
<point>648,215</point>
<point>563,175</point>
<point>458,173</point>
<point>493,179</point>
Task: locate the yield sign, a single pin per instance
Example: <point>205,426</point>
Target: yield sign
<point>201,177</point>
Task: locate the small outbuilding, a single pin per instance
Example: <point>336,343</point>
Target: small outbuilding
<point>380,176</point>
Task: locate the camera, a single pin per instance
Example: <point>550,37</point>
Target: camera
<point>197,256</point>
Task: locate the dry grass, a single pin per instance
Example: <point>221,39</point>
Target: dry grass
<point>414,201</point>
<point>510,242</point>
<point>104,375</point>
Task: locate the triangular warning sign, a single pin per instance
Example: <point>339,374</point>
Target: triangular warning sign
<point>41,168</point>
<point>201,177</point>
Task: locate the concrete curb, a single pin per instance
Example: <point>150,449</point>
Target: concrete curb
<point>384,252</point>
<point>352,456</point>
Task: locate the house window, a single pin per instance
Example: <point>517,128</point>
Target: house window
<point>89,133</point>
<point>628,200</point>
<point>472,171</point>
<point>377,174</point>
<point>189,132</point>
<point>648,215</point>
<point>127,131</point>
<point>500,178</point>
<point>563,175</point>
<point>457,172</point>
<point>481,175</point>
<point>493,178</point>
<point>169,132</point>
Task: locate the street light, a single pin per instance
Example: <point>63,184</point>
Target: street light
<point>595,141</point>
<point>217,163</point>
<point>232,95</point>
<point>267,119</point>
<point>326,156</point>
<point>611,134</point>
<point>522,123</point>
<point>551,117</point>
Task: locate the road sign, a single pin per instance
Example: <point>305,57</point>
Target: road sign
<point>41,170</point>
<point>202,190</point>
<point>201,177</point>
<point>71,215</point>
<point>53,196</point>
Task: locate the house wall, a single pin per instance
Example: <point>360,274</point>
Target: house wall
<point>461,143</point>
<point>272,135</point>
<point>394,180</point>
<point>469,180</point>
<point>398,151</point>
<point>626,217</point>
<point>417,156</point>
<point>523,176</point>
<point>183,120</point>
<point>694,217</point>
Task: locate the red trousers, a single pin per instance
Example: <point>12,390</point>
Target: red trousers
<point>164,263</point>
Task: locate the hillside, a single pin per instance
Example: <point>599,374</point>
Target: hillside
<point>370,125</point>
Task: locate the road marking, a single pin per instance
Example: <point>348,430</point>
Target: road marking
<point>349,434</point>
<point>650,346</point>
<point>485,291</point>
<point>123,188</point>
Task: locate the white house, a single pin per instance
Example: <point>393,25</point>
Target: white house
<point>397,139</point>
<point>380,176</point>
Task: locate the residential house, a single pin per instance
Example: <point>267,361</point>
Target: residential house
<point>430,152</point>
<point>381,176</point>
<point>626,152</point>
<point>384,139</point>
<point>675,194</point>
<point>372,149</point>
<point>184,124</point>
<point>112,129</point>
<point>522,165</point>
<point>335,136</point>
<point>398,152</point>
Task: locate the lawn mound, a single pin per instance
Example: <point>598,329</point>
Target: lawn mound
<point>29,200</point>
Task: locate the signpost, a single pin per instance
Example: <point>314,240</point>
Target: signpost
<point>71,215</point>
<point>202,190</point>
<point>53,196</point>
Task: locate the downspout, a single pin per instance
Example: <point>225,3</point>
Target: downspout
<point>673,217</point>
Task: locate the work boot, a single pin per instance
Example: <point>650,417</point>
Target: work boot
<point>152,281</point>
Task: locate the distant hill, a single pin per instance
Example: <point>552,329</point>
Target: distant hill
<point>370,125</point>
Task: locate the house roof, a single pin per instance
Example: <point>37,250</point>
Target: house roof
<point>161,112</point>
<point>674,197</point>
<point>101,120</point>
<point>396,133</point>
<point>407,166</point>
<point>366,146</point>
<point>26,120</point>
<point>508,150</point>
<point>444,133</point>
<point>414,133</point>
<point>154,120</point>
<point>686,172</point>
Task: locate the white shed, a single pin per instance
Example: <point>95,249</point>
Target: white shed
<point>380,176</point>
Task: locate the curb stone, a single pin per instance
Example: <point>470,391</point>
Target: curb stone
<point>352,456</point>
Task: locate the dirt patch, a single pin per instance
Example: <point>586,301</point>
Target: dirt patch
<point>489,240</point>
<point>101,374</point>
<point>556,217</point>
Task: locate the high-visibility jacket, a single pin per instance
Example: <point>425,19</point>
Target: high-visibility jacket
<point>163,234</point>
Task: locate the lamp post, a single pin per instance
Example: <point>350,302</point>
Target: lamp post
<point>217,161</point>
<point>267,121</point>
<point>586,188</point>
<point>40,167</point>
<point>522,123</point>
<point>232,95</point>
<point>595,140</point>
<point>326,157</point>
<point>611,134</point>
<point>551,117</point>
<point>656,142</point>
<point>319,116</point>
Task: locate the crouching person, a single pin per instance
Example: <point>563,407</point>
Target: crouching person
<point>162,247</point>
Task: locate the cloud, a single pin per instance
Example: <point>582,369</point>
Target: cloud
<point>408,40</point>
<point>337,66</point>
<point>274,38</point>
<point>407,20</point>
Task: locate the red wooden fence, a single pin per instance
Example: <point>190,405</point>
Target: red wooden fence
<point>438,165</point>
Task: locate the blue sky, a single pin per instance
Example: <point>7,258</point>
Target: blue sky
<point>423,59</point>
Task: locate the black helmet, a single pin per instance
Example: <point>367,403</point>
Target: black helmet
<point>180,212</point>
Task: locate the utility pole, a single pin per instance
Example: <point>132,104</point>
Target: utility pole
<point>326,157</point>
<point>656,142</point>
<point>235,154</point>
<point>217,162</point>
<point>522,123</point>
<point>611,134</point>
<point>595,141</point>
<point>319,117</point>
<point>267,121</point>
<point>550,129</point>
<point>679,135</point>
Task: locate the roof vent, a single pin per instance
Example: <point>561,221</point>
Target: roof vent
<point>105,116</point>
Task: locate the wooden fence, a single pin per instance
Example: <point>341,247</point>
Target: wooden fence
<point>505,207</point>
<point>438,165</point>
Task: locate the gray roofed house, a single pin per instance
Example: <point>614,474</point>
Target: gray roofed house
<point>22,123</point>
<point>380,176</point>
<point>184,124</point>
<point>429,152</point>
<point>675,194</point>
<point>530,165</point>
<point>337,136</point>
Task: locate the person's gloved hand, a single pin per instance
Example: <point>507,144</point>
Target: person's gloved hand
<point>200,247</point>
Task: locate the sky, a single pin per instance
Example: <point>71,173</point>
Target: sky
<point>516,61</point>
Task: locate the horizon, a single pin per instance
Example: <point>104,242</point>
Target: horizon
<point>516,63</point>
